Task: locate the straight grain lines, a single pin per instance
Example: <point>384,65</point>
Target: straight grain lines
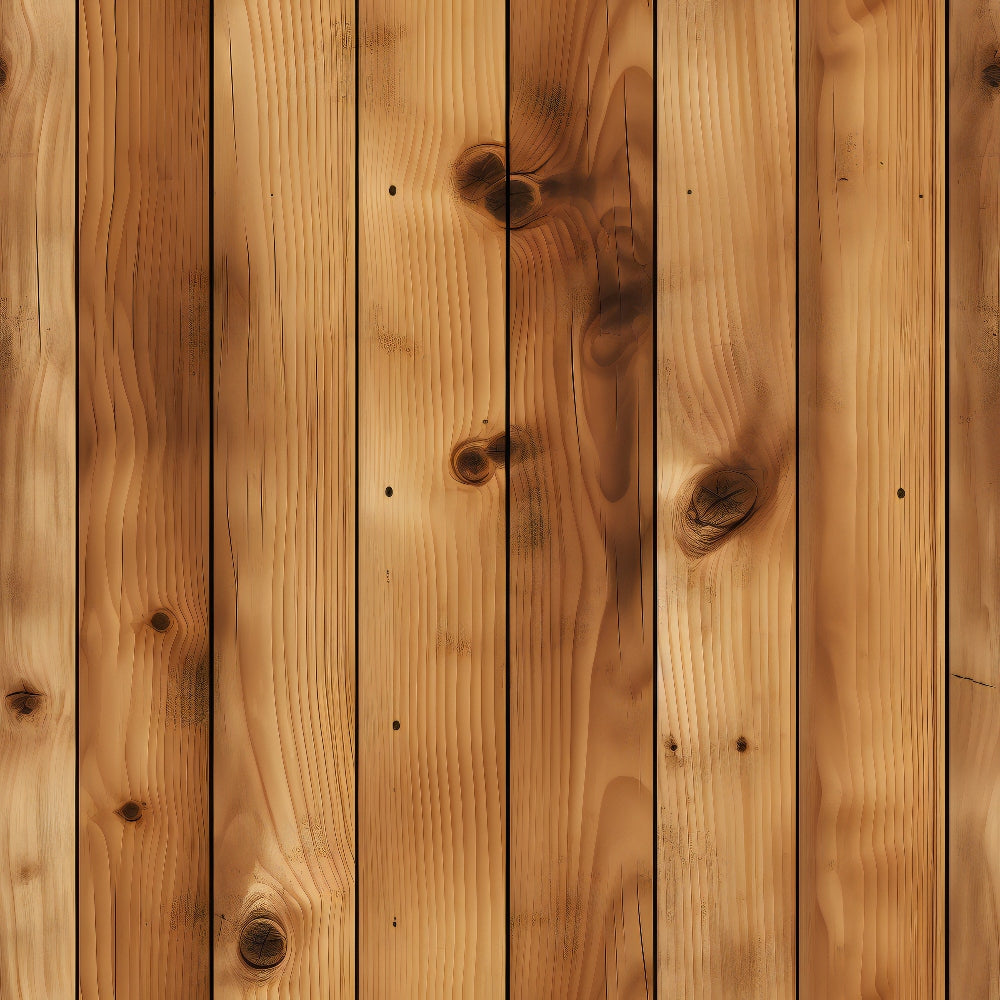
<point>357,495</point>
<point>798,476</point>
<point>506,480</point>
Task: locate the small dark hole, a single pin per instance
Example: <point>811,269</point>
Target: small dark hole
<point>393,921</point>
<point>131,812</point>
<point>921,196</point>
<point>395,724</point>
<point>160,621</point>
<point>388,491</point>
<point>901,493</point>
<point>741,744</point>
<point>673,748</point>
<point>689,190</point>
<point>392,190</point>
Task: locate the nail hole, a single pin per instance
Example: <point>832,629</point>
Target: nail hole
<point>741,744</point>
<point>689,190</point>
<point>262,943</point>
<point>160,621</point>
<point>673,748</point>
<point>392,190</point>
<point>23,702</point>
<point>393,921</point>
<point>901,493</point>
<point>395,724</point>
<point>131,812</point>
<point>388,491</point>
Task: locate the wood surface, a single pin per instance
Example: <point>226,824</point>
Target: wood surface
<point>726,465</point>
<point>581,525</point>
<point>284,499</point>
<point>431,556</point>
<point>37,500</point>
<point>144,427</point>
<point>871,502</point>
<point>973,420</point>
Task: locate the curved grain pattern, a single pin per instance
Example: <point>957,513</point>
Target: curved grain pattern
<point>144,439</point>
<point>581,714</point>
<point>284,500</point>
<point>726,492</point>
<point>431,552</point>
<point>37,516</point>
<point>871,394</point>
<point>974,627</point>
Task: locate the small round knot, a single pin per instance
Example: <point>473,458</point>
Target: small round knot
<point>388,491</point>
<point>721,502</point>
<point>392,190</point>
<point>901,493</point>
<point>471,464</point>
<point>742,745</point>
<point>395,725</point>
<point>131,812</point>
<point>160,621</point>
<point>23,702</point>
<point>262,943</point>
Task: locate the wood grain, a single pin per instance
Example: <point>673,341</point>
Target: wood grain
<point>726,488</point>
<point>284,499</point>
<point>871,501</point>
<point>973,419</point>
<point>581,389</point>
<point>144,429</point>
<point>431,568</point>
<point>37,500</point>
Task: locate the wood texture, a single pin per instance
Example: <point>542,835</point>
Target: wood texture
<point>581,613</point>
<point>284,499</point>
<point>144,445</point>
<point>37,500</point>
<point>974,416</point>
<point>726,492</point>
<point>871,500</point>
<point>431,565</point>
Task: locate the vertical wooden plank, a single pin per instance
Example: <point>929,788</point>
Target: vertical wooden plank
<point>284,499</point>
<point>727,479</point>
<point>974,416</point>
<point>581,616</point>
<point>37,500</point>
<point>431,564</point>
<point>871,501</point>
<point>144,427</point>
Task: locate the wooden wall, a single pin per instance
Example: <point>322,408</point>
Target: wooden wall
<point>498,499</point>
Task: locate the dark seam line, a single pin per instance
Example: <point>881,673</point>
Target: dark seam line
<point>507,473</point>
<point>76,517</point>
<point>947,504</point>
<point>798,487</point>
<point>656,502</point>
<point>211,503</point>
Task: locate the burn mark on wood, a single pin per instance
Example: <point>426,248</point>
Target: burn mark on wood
<point>160,621</point>
<point>131,812</point>
<point>262,943</point>
<point>718,503</point>
<point>23,703</point>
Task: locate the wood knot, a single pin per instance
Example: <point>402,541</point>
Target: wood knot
<point>23,703</point>
<point>991,75</point>
<point>474,462</point>
<point>161,621</point>
<point>480,177</point>
<point>742,745</point>
<point>263,944</point>
<point>131,812</point>
<point>720,502</point>
<point>4,72</point>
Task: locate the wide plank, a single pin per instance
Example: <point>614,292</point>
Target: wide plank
<point>284,472</point>
<point>37,500</point>
<point>726,465</point>
<point>871,499</point>
<point>144,430</point>
<point>974,504</point>
<point>431,502</point>
<point>581,499</point>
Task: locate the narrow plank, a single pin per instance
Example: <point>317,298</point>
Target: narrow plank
<point>37,500</point>
<point>581,388</point>
<point>974,416</point>
<point>284,499</point>
<point>431,569</point>
<point>144,426</point>
<point>726,468</point>
<point>871,501</point>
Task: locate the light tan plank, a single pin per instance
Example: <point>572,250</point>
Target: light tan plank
<point>727,482</point>
<point>144,442</point>
<point>974,416</point>
<point>581,743</point>
<point>431,556</point>
<point>284,499</point>
<point>871,571</point>
<point>37,500</point>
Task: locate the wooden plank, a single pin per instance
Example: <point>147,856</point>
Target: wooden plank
<point>871,500</point>
<point>284,499</point>
<point>974,416</point>
<point>726,467</point>
<point>581,599</point>
<point>431,564</point>
<point>37,500</point>
<point>144,426</point>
